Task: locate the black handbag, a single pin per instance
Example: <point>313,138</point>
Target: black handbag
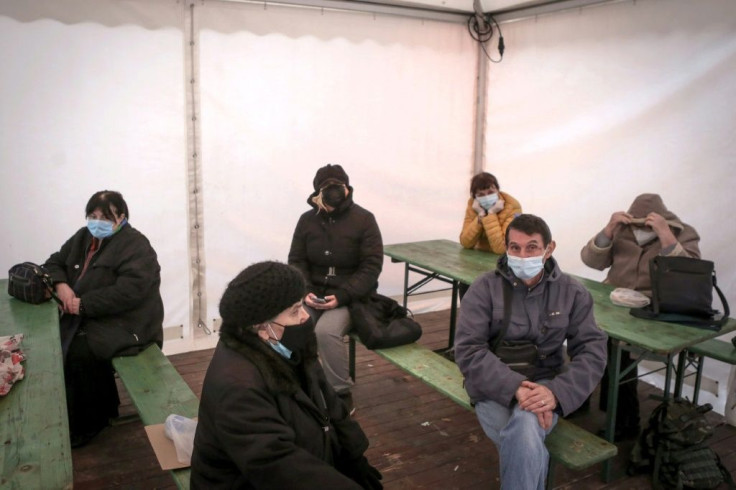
<point>682,292</point>
<point>381,322</point>
<point>31,283</point>
<point>519,356</point>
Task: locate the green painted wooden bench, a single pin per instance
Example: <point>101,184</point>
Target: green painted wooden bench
<point>568,444</point>
<point>720,350</point>
<point>157,390</point>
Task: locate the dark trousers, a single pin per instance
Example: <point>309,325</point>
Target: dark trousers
<point>91,393</point>
<point>627,412</point>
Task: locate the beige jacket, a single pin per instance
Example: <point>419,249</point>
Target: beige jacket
<point>629,262</point>
<point>488,233</point>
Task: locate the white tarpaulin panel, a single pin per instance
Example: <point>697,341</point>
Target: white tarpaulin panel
<point>92,96</point>
<point>95,95</point>
<point>588,109</point>
<point>285,91</point>
<point>592,107</point>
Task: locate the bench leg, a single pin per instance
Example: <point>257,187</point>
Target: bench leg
<point>698,379</point>
<point>680,373</point>
<point>351,358</point>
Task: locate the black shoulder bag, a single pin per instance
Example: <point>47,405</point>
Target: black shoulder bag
<point>381,322</point>
<point>519,356</point>
<point>682,292</point>
<point>31,283</point>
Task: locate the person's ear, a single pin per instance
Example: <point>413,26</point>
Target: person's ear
<point>550,249</point>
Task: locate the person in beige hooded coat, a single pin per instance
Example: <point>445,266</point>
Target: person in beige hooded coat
<point>625,246</point>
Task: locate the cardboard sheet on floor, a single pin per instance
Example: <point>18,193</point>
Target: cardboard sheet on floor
<point>163,447</point>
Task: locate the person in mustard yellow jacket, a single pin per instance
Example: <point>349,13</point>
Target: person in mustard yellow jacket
<point>487,215</point>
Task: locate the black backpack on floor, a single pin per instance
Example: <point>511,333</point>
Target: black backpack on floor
<point>674,444</point>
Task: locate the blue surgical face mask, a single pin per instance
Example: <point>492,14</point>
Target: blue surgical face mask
<point>488,201</point>
<point>278,346</point>
<point>526,268</point>
<point>100,228</point>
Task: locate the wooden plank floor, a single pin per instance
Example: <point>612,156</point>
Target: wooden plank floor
<point>419,439</point>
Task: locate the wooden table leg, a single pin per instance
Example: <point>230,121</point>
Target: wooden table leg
<point>614,360</point>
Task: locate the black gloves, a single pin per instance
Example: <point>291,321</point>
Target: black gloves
<point>361,471</point>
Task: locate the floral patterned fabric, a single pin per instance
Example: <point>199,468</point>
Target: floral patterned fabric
<point>11,357</point>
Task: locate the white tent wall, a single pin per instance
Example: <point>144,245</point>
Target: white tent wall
<point>285,91</point>
<point>94,96</point>
<point>588,109</point>
<point>592,107</point>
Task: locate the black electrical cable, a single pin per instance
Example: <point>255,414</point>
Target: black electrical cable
<point>483,34</point>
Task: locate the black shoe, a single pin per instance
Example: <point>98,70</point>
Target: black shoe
<point>79,440</point>
<point>347,399</point>
<point>622,433</point>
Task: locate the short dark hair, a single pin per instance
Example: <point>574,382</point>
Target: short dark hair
<point>530,224</point>
<point>105,201</point>
<point>481,181</point>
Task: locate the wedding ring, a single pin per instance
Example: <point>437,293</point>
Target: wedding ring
<point>542,403</point>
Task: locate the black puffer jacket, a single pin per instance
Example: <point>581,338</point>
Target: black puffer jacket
<point>123,311</point>
<point>339,253</point>
<point>265,422</point>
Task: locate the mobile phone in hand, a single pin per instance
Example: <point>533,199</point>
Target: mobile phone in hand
<point>319,300</point>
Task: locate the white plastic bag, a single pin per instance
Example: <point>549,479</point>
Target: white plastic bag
<point>181,430</point>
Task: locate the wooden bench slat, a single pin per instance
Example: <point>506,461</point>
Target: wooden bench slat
<point>157,390</point>
<point>568,444</point>
<point>155,387</point>
<point>716,349</point>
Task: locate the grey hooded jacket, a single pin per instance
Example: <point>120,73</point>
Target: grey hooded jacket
<point>555,310</point>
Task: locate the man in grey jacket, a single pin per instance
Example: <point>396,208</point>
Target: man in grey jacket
<point>548,307</point>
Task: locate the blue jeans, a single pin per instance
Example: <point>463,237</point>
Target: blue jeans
<point>520,442</point>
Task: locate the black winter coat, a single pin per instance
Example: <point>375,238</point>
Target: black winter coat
<point>265,422</point>
<point>123,310</point>
<point>340,253</point>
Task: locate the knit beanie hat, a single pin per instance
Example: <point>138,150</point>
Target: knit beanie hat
<point>259,293</point>
<point>330,174</point>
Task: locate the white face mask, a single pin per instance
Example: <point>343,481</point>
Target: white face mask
<point>488,201</point>
<point>526,268</point>
<point>644,235</point>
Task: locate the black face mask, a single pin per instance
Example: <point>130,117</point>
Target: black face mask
<point>333,195</point>
<point>296,337</point>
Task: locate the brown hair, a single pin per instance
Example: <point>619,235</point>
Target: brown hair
<point>529,225</point>
<point>481,181</point>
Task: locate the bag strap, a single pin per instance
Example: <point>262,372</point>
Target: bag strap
<point>507,292</point>
<point>726,309</point>
<point>45,279</point>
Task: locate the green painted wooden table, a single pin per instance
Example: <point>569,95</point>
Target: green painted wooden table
<point>660,341</point>
<point>442,260</point>
<point>34,428</point>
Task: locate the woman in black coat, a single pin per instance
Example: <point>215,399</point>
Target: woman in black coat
<point>107,276</point>
<point>267,417</point>
<point>337,245</point>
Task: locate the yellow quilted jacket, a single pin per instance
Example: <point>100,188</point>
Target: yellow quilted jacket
<point>488,233</point>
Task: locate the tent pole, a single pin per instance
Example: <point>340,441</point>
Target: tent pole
<point>371,8</point>
<point>481,89</point>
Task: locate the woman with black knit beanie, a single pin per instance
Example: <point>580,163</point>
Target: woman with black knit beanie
<point>267,416</point>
